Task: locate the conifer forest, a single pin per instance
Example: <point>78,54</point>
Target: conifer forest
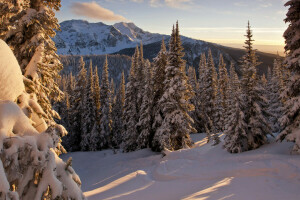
<point>96,111</point>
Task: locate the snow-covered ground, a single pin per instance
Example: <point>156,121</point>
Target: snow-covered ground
<point>203,172</point>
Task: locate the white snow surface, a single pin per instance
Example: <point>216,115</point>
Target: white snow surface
<point>204,172</point>
<point>11,78</point>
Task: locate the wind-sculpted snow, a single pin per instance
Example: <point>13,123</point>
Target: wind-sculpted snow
<point>202,172</point>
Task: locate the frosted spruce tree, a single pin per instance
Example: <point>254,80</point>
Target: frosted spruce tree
<point>89,114</point>
<point>275,102</point>
<point>95,137</point>
<point>131,115</point>
<point>27,28</point>
<point>105,101</point>
<point>290,119</point>
<point>117,114</point>
<point>177,124</point>
<point>200,115</point>
<point>223,93</point>
<point>78,105</point>
<point>251,108</point>
<point>194,83</point>
<point>158,80</point>
<point>146,116</point>
<point>29,163</point>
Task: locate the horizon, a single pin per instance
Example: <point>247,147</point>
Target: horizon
<point>208,21</point>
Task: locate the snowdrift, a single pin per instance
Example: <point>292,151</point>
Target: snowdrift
<point>203,172</point>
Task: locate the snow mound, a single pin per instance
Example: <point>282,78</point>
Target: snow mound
<point>11,78</point>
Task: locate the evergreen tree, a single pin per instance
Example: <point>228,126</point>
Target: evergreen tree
<point>201,118</point>
<point>223,94</point>
<point>146,116</point>
<point>117,114</point>
<point>194,83</point>
<point>275,102</point>
<point>252,107</point>
<point>105,101</point>
<point>176,126</point>
<point>95,137</point>
<point>291,117</point>
<point>236,138</point>
<point>158,80</point>
<point>78,105</point>
<point>28,28</point>
<point>89,114</point>
<point>131,114</point>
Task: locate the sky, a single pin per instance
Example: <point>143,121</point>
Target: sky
<point>218,21</point>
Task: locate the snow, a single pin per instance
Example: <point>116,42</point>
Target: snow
<point>11,79</point>
<point>202,172</point>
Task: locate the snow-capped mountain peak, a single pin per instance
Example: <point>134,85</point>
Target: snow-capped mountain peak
<point>79,37</point>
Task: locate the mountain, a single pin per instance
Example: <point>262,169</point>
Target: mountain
<point>79,37</point>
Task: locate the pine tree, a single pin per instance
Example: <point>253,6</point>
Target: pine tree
<point>95,137</point>
<point>234,87</point>
<point>275,102</point>
<point>236,139</point>
<point>146,116</point>
<point>194,83</point>
<point>89,114</point>
<point>290,119</point>
<point>131,114</point>
<point>176,126</point>
<point>158,80</point>
<point>105,101</point>
<point>200,114</point>
<point>252,107</point>
<point>28,28</point>
<point>117,114</point>
<point>78,106</point>
<point>209,92</point>
<point>223,93</point>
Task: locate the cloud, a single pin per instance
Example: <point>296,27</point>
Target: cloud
<point>265,5</point>
<point>179,4</point>
<point>155,3</point>
<point>240,4</point>
<point>95,11</point>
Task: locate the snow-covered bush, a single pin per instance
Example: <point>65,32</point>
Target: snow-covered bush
<point>30,168</point>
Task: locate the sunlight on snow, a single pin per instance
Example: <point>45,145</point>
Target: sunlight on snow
<point>200,195</point>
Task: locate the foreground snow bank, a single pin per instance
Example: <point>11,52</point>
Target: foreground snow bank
<point>203,172</point>
<point>30,168</point>
<point>11,79</point>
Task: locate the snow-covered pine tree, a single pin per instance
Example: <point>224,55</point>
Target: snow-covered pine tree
<point>117,114</point>
<point>131,114</point>
<point>140,78</point>
<point>177,124</point>
<point>236,139</point>
<point>29,162</point>
<point>158,80</point>
<point>200,116</point>
<point>95,136</point>
<point>255,109</point>
<point>89,114</point>
<point>194,83</point>
<point>291,118</point>
<point>146,116</point>
<point>28,28</point>
<point>223,93</point>
<point>210,90</point>
<point>275,102</point>
<point>77,108</point>
<point>105,101</point>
